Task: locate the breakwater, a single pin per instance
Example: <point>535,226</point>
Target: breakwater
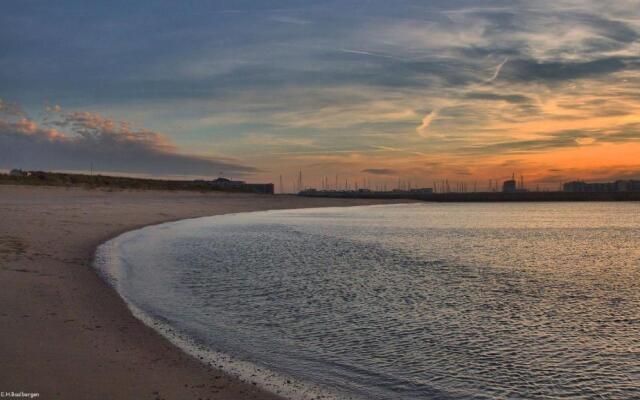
<point>481,196</point>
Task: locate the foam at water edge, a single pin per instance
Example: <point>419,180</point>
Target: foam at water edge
<point>108,264</point>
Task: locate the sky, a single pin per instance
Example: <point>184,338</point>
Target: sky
<point>387,91</point>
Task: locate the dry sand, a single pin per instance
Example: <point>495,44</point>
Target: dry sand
<point>64,333</point>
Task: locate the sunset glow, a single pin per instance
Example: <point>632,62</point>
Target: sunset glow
<point>412,91</point>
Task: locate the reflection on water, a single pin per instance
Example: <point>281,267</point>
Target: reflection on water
<point>410,301</point>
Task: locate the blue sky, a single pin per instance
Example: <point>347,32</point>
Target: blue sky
<point>420,90</point>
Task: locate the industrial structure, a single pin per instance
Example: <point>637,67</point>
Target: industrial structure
<point>509,186</point>
<point>512,185</point>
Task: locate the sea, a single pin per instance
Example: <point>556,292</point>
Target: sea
<point>407,301</point>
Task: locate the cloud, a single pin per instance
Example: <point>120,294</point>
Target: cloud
<point>265,84</point>
<point>11,109</point>
<point>285,19</point>
<point>496,73</point>
<point>380,171</point>
<point>562,139</point>
<point>426,121</point>
<point>371,54</point>
<point>77,140</point>
<point>584,141</point>
<point>509,98</point>
<point>531,70</point>
<point>275,141</point>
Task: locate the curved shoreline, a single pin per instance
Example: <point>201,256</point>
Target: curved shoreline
<point>67,333</point>
<point>106,262</point>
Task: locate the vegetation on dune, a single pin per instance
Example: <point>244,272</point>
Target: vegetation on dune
<point>41,178</point>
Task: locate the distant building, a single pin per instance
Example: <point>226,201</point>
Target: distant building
<point>422,190</point>
<point>18,172</point>
<point>227,183</point>
<point>574,186</point>
<point>584,187</point>
<point>509,186</point>
<point>242,186</point>
<point>628,185</point>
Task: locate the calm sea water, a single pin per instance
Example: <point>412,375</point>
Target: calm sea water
<point>421,301</point>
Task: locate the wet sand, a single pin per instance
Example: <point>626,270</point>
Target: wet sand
<point>65,334</point>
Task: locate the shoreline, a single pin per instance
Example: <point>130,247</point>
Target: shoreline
<point>244,371</point>
<point>247,372</point>
<point>67,333</point>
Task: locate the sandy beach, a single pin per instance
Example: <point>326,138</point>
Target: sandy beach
<point>67,335</point>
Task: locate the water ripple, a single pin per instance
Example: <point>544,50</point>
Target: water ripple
<point>537,301</point>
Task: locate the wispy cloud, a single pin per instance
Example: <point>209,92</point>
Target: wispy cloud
<point>496,73</point>
<point>287,19</point>
<point>456,82</point>
<point>426,122</point>
<point>380,171</point>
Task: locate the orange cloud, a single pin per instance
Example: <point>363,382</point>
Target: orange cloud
<point>80,139</point>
